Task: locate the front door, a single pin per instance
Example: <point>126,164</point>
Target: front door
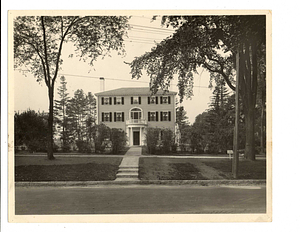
<point>136,138</point>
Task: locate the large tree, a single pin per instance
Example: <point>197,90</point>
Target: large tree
<point>39,41</point>
<point>211,42</point>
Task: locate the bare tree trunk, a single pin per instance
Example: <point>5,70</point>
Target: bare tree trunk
<point>249,124</point>
<point>50,124</point>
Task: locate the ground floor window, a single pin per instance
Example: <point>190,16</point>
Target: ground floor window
<point>165,115</point>
<point>106,117</point>
<point>119,116</point>
<point>153,116</point>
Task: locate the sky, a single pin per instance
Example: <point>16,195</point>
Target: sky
<point>79,75</point>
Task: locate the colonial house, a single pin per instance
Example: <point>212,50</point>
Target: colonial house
<point>135,109</point>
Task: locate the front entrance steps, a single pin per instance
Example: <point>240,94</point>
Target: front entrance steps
<point>128,172</point>
<point>129,167</point>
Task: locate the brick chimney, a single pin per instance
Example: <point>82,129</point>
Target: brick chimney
<point>102,84</point>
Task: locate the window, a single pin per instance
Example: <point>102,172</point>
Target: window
<point>119,116</point>
<point>118,100</point>
<point>106,117</point>
<point>165,100</point>
<point>165,116</point>
<point>106,101</point>
<point>152,116</point>
<point>135,100</point>
<point>152,100</point>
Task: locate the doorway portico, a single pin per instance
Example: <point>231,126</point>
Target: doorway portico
<point>135,127</point>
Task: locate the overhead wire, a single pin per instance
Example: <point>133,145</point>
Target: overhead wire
<point>116,79</point>
<point>153,28</point>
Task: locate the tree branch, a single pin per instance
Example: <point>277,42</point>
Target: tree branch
<point>37,51</point>
<point>74,21</point>
<point>45,50</point>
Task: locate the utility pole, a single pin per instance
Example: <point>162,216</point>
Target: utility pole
<point>235,160</point>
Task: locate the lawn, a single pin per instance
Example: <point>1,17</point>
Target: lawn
<point>66,168</point>
<point>157,168</point>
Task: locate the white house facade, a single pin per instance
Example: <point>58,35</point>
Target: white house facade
<point>135,109</point>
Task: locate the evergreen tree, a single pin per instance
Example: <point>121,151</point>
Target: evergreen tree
<point>60,112</point>
<point>183,126</point>
<point>91,117</point>
<point>77,111</point>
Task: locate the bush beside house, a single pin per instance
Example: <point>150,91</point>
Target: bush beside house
<point>160,141</point>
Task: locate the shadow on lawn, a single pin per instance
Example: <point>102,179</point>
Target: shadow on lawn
<point>74,172</point>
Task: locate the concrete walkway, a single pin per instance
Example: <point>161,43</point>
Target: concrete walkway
<point>129,167</point>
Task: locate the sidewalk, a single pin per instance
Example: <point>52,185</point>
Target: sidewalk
<point>129,167</point>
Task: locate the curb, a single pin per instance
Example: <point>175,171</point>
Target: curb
<point>143,182</point>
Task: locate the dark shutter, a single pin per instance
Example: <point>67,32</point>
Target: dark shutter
<point>115,116</point>
<point>169,115</point>
<point>110,100</point>
<point>169,99</point>
<point>122,100</point>
<point>115,100</point>
<point>110,116</point>
<point>140,100</point>
<point>131,100</point>
<point>156,100</point>
<point>157,116</point>
<point>102,99</point>
<point>122,116</point>
<point>102,117</point>
<point>160,99</point>
<point>148,100</point>
<point>161,116</point>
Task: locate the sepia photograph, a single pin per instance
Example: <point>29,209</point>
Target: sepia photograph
<point>140,116</point>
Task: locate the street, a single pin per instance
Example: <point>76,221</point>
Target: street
<point>140,200</point>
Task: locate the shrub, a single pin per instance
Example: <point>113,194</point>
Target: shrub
<point>102,134</point>
<point>118,140</point>
<point>66,148</point>
<point>167,140</point>
<point>152,139</point>
<point>82,146</point>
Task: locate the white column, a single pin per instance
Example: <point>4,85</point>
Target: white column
<point>127,135</point>
<point>140,136</point>
<point>143,135</point>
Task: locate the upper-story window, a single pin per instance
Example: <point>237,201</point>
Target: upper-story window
<point>153,100</point>
<point>119,100</point>
<point>165,100</point>
<point>106,100</point>
<point>135,100</point>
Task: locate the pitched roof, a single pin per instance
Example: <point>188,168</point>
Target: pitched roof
<point>137,91</point>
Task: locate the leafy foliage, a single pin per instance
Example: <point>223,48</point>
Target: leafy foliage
<point>167,140</point>
<point>101,136</point>
<point>183,126</point>
<point>118,140</point>
<point>31,130</point>
<point>152,137</point>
